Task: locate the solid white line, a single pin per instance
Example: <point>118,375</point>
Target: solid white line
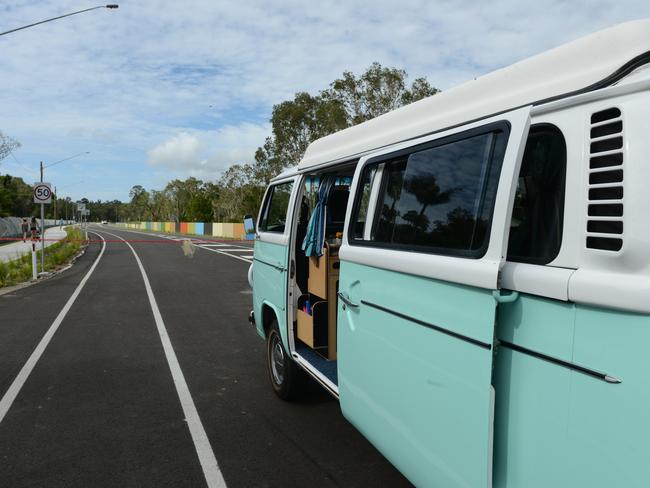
<point>208,461</point>
<point>229,249</point>
<point>224,253</point>
<point>21,378</point>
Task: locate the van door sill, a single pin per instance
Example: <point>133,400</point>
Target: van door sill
<point>317,375</point>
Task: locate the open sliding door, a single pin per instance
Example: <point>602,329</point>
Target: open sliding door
<point>424,241</point>
<point>270,266</point>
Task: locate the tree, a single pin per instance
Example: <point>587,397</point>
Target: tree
<point>7,144</point>
<point>239,193</point>
<point>140,209</point>
<point>180,194</point>
<point>298,122</point>
<point>161,206</point>
<point>375,92</point>
<point>15,197</point>
<point>348,101</point>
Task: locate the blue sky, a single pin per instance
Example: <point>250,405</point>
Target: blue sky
<point>169,89</point>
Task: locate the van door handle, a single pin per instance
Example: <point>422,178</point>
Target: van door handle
<point>346,300</point>
<point>509,298</point>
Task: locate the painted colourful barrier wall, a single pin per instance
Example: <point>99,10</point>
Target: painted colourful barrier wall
<point>215,229</point>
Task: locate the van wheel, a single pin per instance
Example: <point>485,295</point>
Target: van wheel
<point>287,379</point>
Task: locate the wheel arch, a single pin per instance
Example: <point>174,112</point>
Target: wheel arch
<point>268,315</point>
<point>270,312</point>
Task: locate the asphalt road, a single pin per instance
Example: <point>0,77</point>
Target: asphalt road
<point>103,404</point>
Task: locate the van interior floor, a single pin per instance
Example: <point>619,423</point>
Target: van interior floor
<point>325,367</point>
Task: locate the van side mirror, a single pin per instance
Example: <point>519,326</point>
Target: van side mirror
<point>249,227</point>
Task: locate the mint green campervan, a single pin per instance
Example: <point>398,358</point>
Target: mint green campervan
<point>470,274</point>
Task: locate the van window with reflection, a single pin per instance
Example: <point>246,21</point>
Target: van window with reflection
<point>364,202</point>
<point>274,215</point>
<point>538,212</point>
<point>439,199</point>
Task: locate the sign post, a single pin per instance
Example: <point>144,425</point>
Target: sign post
<point>34,270</point>
<point>42,195</point>
<point>83,212</point>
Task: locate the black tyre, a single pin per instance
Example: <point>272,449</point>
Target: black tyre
<point>287,379</point>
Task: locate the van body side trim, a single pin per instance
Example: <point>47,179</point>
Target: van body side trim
<point>437,328</point>
<point>276,266</point>
<point>560,362</point>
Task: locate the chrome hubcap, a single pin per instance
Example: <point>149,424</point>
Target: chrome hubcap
<point>277,360</point>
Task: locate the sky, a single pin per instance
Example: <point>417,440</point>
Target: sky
<point>157,90</point>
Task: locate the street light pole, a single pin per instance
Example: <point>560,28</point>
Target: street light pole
<point>110,6</point>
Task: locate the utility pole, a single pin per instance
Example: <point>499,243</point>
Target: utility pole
<point>42,229</point>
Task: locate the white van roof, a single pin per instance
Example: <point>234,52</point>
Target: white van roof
<point>586,64</point>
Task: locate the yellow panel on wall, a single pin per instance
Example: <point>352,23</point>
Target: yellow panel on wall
<point>227,230</point>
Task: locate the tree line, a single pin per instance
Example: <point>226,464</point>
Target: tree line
<point>348,101</point>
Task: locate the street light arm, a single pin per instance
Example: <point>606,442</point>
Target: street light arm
<point>111,6</point>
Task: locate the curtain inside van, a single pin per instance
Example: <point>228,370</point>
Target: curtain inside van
<point>315,237</point>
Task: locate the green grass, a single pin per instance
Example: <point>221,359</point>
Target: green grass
<point>56,255</point>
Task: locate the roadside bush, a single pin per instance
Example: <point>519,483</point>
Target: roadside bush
<point>20,270</point>
<point>4,273</point>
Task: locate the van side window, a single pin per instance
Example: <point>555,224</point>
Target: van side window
<point>438,197</point>
<point>538,212</point>
<point>274,215</point>
<point>364,201</point>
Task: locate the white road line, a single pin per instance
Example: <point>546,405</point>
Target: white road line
<point>208,461</point>
<point>218,251</point>
<point>249,256</point>
<point>21,378</point>
<point>229,249</point>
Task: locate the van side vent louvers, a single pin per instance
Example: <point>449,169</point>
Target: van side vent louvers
<point>605,210</point>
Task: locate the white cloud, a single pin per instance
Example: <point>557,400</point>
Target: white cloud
<point>181,151</point>
<point>207,153</point>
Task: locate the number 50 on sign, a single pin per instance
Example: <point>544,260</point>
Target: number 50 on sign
<point>42,193</point>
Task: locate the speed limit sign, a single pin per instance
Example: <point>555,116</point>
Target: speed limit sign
<point>42,192</point>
